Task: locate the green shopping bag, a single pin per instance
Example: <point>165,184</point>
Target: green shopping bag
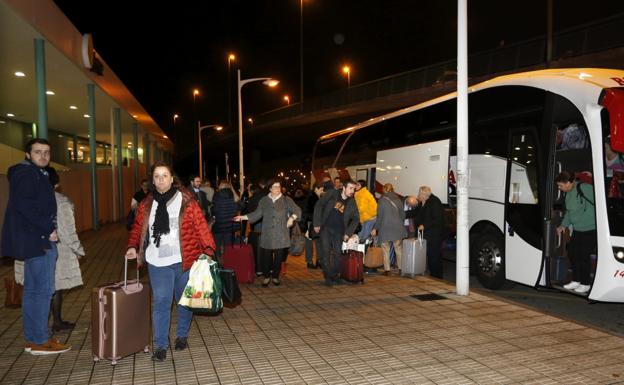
<point>202,293</point>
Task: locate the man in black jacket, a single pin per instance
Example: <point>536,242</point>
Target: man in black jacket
<point>335,219</point>
<point>430,220</point>
<point>200,196</point>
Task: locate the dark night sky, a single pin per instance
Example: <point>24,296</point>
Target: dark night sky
<point>162,50</point>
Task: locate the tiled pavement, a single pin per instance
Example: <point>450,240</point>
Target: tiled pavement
<point>305,333</point>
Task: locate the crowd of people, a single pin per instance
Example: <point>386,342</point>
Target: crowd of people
<point>171,225</point>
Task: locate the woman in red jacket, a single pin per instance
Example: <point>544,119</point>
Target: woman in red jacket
<point>169,233</point>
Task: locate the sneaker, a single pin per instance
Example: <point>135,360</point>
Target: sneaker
<point>572,285</point>
<point>276,281</point>
<point>266,282</point>
<point>28,346</point>
<point>51,347</point>
<point>582,289</point>
<point>181,343</point>
<point>159,355</point>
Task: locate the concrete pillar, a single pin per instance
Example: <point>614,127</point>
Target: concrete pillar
<point>92,150</point>
<point>42,101</point>
<point>135,152</point>
<point>119,165</point>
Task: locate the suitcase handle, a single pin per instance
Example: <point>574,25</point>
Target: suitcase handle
<point>138,286</point>
<point>420,236</point>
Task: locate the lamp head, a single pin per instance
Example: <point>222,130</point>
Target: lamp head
<point>271,82</point>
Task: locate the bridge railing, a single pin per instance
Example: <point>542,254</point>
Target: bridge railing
<point>593,37</point>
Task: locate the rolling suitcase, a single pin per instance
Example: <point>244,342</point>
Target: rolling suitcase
<point>414,258</point>
<point>120,319</point>
<point>239,257</point>
<point>352,266</point>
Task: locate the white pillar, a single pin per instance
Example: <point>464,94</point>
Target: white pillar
<point>463,242</point>
<point>240,134</point>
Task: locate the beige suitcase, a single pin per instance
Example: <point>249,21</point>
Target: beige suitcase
<point>120,319</point>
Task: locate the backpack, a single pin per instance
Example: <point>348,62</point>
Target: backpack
<point>581,193</point>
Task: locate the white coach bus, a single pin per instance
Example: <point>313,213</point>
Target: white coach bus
<point>523,130</point>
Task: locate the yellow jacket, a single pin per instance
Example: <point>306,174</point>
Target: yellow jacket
<point>366,204</point>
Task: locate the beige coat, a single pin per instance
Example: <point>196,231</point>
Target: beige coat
<point>70,249</point>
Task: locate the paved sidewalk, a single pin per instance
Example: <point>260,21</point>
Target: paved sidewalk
<point>305,333</point>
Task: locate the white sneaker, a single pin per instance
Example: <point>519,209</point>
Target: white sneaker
<point>582,289</point>
<point>572,285</point>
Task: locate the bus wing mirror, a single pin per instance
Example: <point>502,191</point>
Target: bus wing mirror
<point>613,100</point>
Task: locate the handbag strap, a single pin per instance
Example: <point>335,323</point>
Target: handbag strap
<point>392,203</point>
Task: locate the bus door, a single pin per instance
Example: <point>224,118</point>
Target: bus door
<point>572,152</point>
<point>523,215</point>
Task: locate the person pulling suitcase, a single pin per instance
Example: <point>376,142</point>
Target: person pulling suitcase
<point>170,232</point>
<point>335,219</point>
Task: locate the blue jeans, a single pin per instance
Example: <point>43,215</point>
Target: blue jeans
<point>164,282</point>
<point>38,291</point>
<point>367,227</point>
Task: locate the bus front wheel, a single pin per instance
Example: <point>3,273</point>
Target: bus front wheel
<point>490,260</point>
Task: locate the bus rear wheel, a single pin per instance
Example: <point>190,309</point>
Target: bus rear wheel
<point>490,260</point>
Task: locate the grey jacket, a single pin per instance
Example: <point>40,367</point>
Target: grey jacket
<point>275,234</point>
<point>326,204</point>
<point>390,218</point>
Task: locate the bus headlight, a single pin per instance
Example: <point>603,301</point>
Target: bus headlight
<point>618,253</point>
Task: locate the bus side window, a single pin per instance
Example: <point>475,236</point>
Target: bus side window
<point>495,111</point>
<point>572,142</point>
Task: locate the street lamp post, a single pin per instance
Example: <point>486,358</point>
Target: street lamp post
<point>200,128</point>
<point>240,83</point>
<point>231,58</point>
<point>300,51</point>
<point>347,71</point>
<point>175,117</point>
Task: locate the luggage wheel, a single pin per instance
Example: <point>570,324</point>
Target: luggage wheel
<point>114,362</point>
<point>146,349</point>
<point>96,359</point>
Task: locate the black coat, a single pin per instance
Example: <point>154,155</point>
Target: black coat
<point>431,216</point>
<point>202,199</point>
<point>224,211</point>
<point>326,204</point>
<point>30,213</point>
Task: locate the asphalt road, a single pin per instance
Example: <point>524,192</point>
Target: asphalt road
<point>606,316</point>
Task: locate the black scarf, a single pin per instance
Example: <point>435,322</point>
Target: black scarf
<point>161,219</point>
